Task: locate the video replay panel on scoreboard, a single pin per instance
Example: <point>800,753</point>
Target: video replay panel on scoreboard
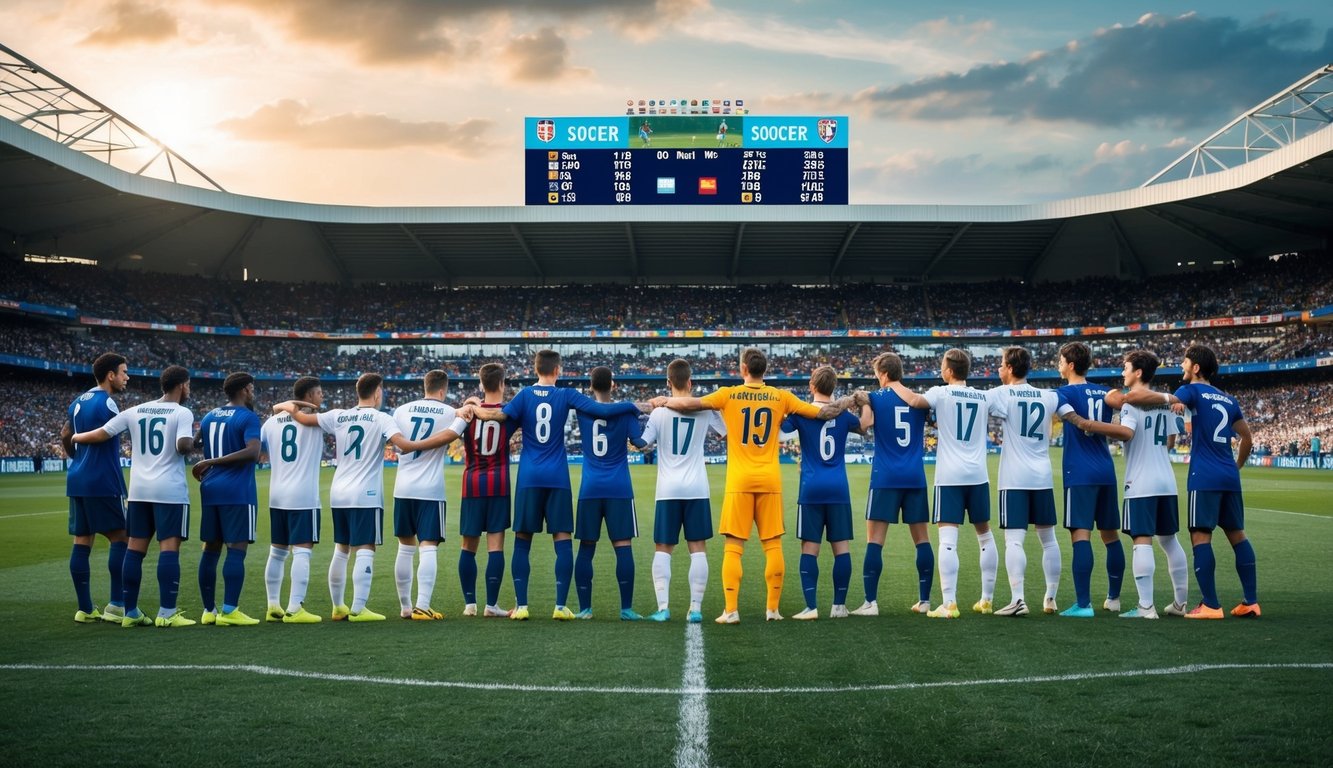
<point>686,160</point>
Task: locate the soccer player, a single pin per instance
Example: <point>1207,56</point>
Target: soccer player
<point>96,490</point>
<point>605,493</point>
<point>294,452</point>
<point>161,433</point>
<point>230,439</point>
<point>1150,507</point>
<point>897,482</point>
<point>544,496</point>
<point>753,497</point>
<point>1090,484</point>
<point>962,485</point>
<point>357,493</point>
<point>485,502</point>
<point>645,135</point>
<point>418,495</point>
<point>1214,479</point>
<point>722,133</point>
<point>1026,482</point>
<point>683,496</point>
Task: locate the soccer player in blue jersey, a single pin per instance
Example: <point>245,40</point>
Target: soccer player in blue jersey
<point>161,433</point>
<point>1214,479</point>
<point>824,503</point>
<point>1089,482</point>
<point>605,493</point>
<point>543,497</point>
<point>96,490</point>
<point>897,482</point>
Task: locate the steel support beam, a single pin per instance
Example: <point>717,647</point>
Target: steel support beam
<point>941,253</point>
<point>633,254</point>
<point>842,250</point>
<point>111,256</point>
<point>527,251</point>
<point>1206,235</point>
<point>1046,251</point>
<point>239,246</point>
<point>331,253</point>
<point>1125,246</point>
<point>736,252</point>
<point>428,253</point>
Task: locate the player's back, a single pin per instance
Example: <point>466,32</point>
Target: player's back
<point>421,473</point>
<point>541,412</point>
<point>899,442</point>
<point>1148,470</point>
<point>226,430</point>
<point>1212,465</point>
<point>157,470</point>
<point>358,435</point>
<point>1087,458</point>
<point>95,468</point>
<point>294,454</point>
<point>605,456</point>
<point>752,414</point>
<point>823,457</point>
<point>1025,455</point>
<point>960,421</point>
<point>486,444</point>
<point>680,438</point>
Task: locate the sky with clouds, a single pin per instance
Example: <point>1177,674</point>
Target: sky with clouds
<point>421,102</point>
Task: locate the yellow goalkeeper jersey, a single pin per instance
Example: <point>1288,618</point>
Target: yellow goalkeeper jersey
<point>752,413</point>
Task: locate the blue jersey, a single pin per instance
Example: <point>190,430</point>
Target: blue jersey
<point>900,442</point>
<point>1212,467</point>
<point>605,457</point>
<point>226,430</point>
<point>541,411</point>
<point>823,468</point>
<point>1087,459</point>
<point>95,470</point>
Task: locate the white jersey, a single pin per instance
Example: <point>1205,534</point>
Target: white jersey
<point>421,473</point>
<point>960,422</point>
<point>681,472</point>
<point>157,471</point>
<point>359,434</point>
<point>294,452</point>
<point>1025,455</point>
<point>1148,469</point>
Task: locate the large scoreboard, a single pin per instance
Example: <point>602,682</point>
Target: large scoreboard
<point>686,160</point>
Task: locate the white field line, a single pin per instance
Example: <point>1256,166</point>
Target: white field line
<point>34,514</point>
<point>1285,512</point>
<point>1073,677</point>
<point>692,727</point>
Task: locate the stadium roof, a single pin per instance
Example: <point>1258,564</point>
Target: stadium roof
<point>57,198</point>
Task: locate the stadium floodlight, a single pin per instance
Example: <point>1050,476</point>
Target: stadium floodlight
<point>1292,114</point>
<point>35,98</point>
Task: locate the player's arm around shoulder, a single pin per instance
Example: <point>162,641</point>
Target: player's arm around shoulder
<point>114,426</point>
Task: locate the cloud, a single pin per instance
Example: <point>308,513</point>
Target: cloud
<point>1177,71</point>
<point>1037,164</point>
<point>290,122</point>
<point>133,22</point>
<point>541,57</point>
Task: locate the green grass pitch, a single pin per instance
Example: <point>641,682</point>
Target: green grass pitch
<point>973,691</point>
<point>686,141</point>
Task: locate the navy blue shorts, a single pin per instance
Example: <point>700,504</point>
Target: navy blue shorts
<point>1021,507</point>
<point>228,523</point>
<point>952,500</point>
<point>552,506</point>
<point>358,526</point>
<point>1217,509</point>
<point>693,515</point>
<point>420,518</point>
<point>622,520</point>
<point>1086,505</point>
<point>885,503</point>
<point>483,514</point>
<point>145,518</point>
<point>814,520</point>
<point>96,514</point>
<point>1152,516</point>
<point>293,526</point>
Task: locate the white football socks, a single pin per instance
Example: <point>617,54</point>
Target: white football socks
<point>1015,561</point>
<point>1178,567</point>
<point>661,578</point>
<point>1144,565</point>
<point>1050,559</point>
<point>402,574</point>
<point>990,564</point>
<point>273,572</point>
<point>426,568</point>
<point>338,578</point>
<point>949,564</point>
<point>698,579</point>
<point>300,578</point>
<point>362,572</point>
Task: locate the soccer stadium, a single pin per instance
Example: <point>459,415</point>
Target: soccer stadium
<point>191,374</point>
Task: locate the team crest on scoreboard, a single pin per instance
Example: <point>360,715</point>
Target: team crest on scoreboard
<point>827,129</point>
<point>546,130</point>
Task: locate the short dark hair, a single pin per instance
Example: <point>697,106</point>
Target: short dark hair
<point>959,363</point>
<point>1144,362</point>
<point>435,380</point>
<point>600,378</point>
<point>173,376</point>
<point>1079,355</point>
<point>367,383</point>
<point>107,364</point>
<point>889,364</point>
<point>1204,357</point>
<point>236,382</point>
<point>824,380</point>
<point>304,386</point>
<point>1019,361</point>
<point>679,372</point>
<point>546,361</point>
<point>492,376</point>
<point>754,361</point>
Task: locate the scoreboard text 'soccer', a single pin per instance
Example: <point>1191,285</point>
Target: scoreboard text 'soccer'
<point>686,160</point>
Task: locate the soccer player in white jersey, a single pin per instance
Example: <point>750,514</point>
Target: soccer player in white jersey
<point>682,492</point>
<point>962,485</point>
<point>294,452</point>
<point>418,495</point>
<point>161,433</point>
<point>357,493</point>
<point>1026,482</point>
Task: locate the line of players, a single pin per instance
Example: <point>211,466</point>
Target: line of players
<point>233,440</point>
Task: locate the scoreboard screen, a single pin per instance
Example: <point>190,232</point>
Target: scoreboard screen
<point>686,160</point>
